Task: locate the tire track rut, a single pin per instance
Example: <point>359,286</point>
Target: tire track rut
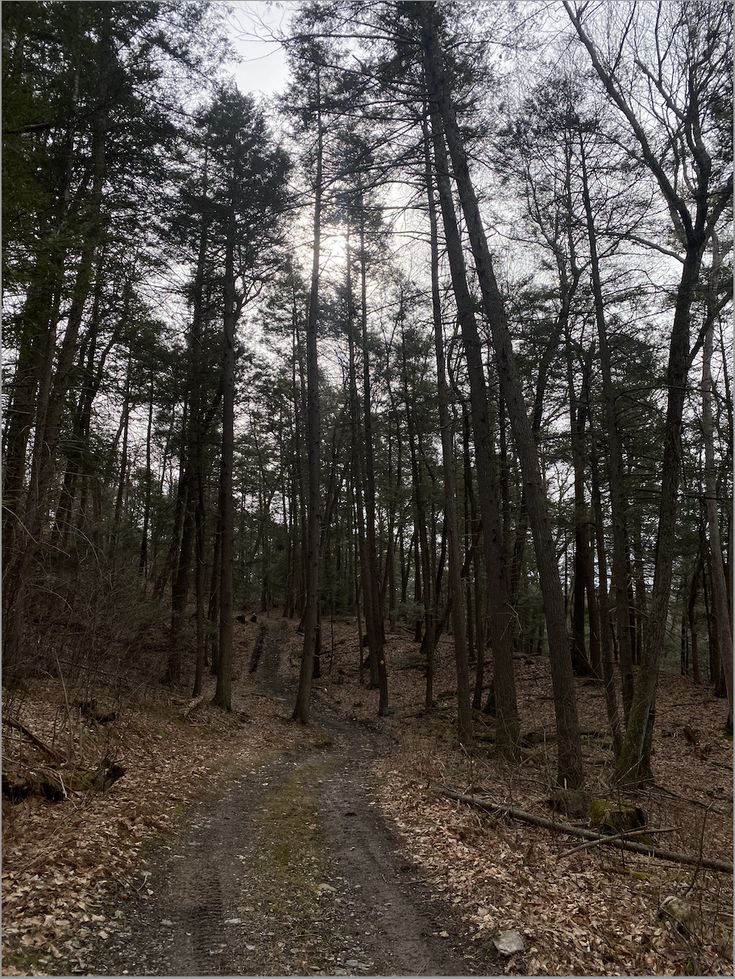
<point>291,871</point>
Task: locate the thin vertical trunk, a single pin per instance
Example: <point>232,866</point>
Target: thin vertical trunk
<point>640,585</point>
<point>618,505</point>
<point>606,636</point>
<point>500,613</point>
<point>423,581</point>
<point>464,707</point>
<point>583,572</point>
<point>692,616</point>
<point>570,768</point>
<point>374,639</point>
<point>143,560</point>
<point>313,438</point>
<point>201,649</point>
<point>376,648</point>
<point>122,479</point>
<point>168,571</point>
<point>421,563</point>
<point>223,692</point>
<point>213,606</point>
<point>684,644</point>
<point>717,568</point>
<point>480,629</point>
<point>192,463</point>
<point>468,524</point>
<point>464,711</point>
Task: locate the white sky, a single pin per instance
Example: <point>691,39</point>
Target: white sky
<point>263,69</point>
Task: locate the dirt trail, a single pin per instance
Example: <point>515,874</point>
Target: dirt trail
<point>291,871</point>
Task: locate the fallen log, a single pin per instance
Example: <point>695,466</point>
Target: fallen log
<point>494,809</point>
<point>603,840</point>
<point>55,785</point>
<point>34,739</point>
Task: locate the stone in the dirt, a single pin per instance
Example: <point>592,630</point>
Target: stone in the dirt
<point>325,889</point>
<point>508,942</point>
<point>233,921</point>
<point>166,922</point>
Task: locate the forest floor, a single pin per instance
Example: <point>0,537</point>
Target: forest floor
<point>245,844</point>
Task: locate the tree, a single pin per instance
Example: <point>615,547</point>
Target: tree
<point>682,96</point>
<point>570,762</point>
<point>313,430</point>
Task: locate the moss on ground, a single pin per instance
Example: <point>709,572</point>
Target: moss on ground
<point>36,963</point>
<point>294,843</point>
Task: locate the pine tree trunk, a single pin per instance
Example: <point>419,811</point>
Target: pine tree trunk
<point>634,765</point>
<point>618,505</point>
<point>223,692</point>
<point>359,483</point>
<point>717,569</point>
<point>143,559</point>
<point>464,710</point>
<point>422,564</point>
<point>201,649</point>
<point>375,644</point>
<point>606,637</point>
<point>313,440</point>
<point>499,611</point>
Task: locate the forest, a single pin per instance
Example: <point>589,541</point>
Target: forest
<point>367,487</point>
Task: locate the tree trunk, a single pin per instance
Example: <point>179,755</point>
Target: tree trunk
<point>606,637</point>
<point>621,570</point>
<point>422,563</point>
<point>313,439</point>
<point>717,569</point>
<point>569,753</point>
<point>499,608</point>
<point>376,605</point>
<point>143,559</point>
<point>223,692</point>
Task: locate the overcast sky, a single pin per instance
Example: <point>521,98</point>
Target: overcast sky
<point>262,69</point>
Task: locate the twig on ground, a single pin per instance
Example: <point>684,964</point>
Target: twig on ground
<point>617,836</point>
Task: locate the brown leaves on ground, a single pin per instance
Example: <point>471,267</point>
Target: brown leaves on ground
<point>595,912</point>
<point>64,861</point>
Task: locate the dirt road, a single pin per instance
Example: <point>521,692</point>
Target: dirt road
<point>290,871</point>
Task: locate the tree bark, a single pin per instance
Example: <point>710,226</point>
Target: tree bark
<point>570,768</point>
<point>313,439</point>
<point>375,642</point>
<point>223,692</point>
<point>616,473</point>
<point>717,569</point>
<point>500,612</point>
